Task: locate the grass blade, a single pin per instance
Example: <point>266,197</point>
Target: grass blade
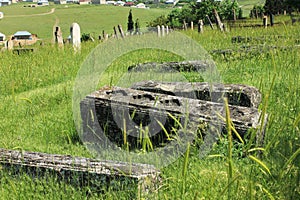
<point>260,163</point>
<point>290,160</point>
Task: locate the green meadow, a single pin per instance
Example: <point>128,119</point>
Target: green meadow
<point>36,107</point>
<point>92,19</point>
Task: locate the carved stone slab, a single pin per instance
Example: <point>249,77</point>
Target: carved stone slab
<point>109,108</point>
<point>83,171</point>
<point>188,66</point>
<point>237,94</point>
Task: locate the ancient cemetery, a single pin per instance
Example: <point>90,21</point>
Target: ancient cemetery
<point>197,107</point>
<point>140,116</point>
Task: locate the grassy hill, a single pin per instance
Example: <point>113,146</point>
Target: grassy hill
<point>36,108</point>
<point>92,19</point>
<point>247,5</point>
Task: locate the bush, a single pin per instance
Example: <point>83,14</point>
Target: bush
<point>195,11</point>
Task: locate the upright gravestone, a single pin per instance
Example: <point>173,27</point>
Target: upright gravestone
<point>272,19</point>
<point>163,30</point>
<point>200,26</point>
<point>75,36</point>
<point>10,44</point>
<point>265,21</point>
<point>58,36</point>
<point>158,30</point>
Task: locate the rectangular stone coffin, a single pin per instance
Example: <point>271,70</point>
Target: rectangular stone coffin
<point>237,94</point>
<point>82,171</point>
<point>108,109</point>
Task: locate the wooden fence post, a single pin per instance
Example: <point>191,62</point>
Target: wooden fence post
<point>272,19</point>
<point>184,25</point>
<point>210,23</point>
<point>115,32</point>
<point>121,31</point>
<point>234,14</point>
<point>219,22</point>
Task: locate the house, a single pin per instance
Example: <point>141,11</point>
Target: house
<point>5,3</point>
<point>120,3</point>
<point>141,5</point>
<point>98,1</point>
<point>22,35</point>
<point>60,2</point>
<point>169,2</point>
<point>129,3</point>
<point>43,3</point>
<point>73,1</point>
<point>2,37</point>
<point>110,2</point>
<point>23,38</point>
<point>84,2</point>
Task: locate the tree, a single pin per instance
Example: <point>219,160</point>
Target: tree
<point>195,11</point>
<point>257,11</point>
<point>275,6</point>
<point>130,22</point>
<point>293,4</point>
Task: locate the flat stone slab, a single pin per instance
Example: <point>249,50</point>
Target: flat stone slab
<point>186,66</point>
<point>83,171</point>
<point>110,107</point>
<point>237,94</point>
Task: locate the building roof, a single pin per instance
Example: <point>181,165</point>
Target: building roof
<point>22,33</point>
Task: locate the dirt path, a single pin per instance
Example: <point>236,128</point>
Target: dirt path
<point>32,15</point>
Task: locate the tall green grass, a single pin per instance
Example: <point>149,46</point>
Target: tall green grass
<point>36,115</point>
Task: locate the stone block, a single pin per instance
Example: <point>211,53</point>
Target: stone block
<point>237,94</point>
<point>116,111</point>
<point>135,178</point>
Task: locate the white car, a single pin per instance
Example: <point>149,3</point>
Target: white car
<point>120,3</point>
<point>170,2</point>
<point>111,2</point>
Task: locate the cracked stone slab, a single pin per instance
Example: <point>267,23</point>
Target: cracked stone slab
<point>237,94</point>
<point>110,107</point>
<point>83,171</point>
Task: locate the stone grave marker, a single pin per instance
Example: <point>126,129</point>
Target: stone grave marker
<point>200,26</point>
<point>237,94</point>
<point>58,36</point>
<point>109,108</point>
<point>158,31</point>
<point>82,172</point>
<point>75,36</point>
<point>9,44</point>
<point>162,30</point>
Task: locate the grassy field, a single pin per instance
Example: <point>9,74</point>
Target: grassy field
<point>247,5</point>
<point>36,111</point>
<point>92,19</point>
